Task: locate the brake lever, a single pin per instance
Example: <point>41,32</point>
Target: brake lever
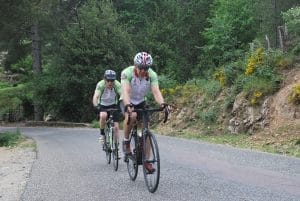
<point>166,114</point>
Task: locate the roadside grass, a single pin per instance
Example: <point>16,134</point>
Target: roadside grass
<point>289,147</point>
<point>14,138</point>
<point>10,139</point>
<point>95,124</point>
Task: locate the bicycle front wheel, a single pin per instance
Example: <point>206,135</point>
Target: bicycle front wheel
<point>132,165</point>
<point>115,156</point>
<point>151,162</point>
<point>107,148</point>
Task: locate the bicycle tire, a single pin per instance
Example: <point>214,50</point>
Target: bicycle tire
<point>107,147</point>
<point>132,165</point>
<point>115,156</point>
<point>151,179</point>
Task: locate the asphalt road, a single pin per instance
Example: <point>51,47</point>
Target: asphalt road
<point>71,167</point>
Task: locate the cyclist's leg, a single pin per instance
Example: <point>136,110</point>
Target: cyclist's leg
<point>102,119</point>
<point>127,129</point>
<point>116,119</point>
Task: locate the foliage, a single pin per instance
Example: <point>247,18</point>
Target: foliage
<point>208,117</point>
<point>10,139</point>
<point>4,84</point>
<point>294,96</point>
<point>261,76</point>
<point>191,42</point>
<point>12,97</point>
<point>96,43</point>
<point>292,20</point>
<point>23,66</point>
<point>166,82</point>
<point>267,15</point>
<point>169,30</point>
<point>231,28</point>
<point>254,61</point>
<point>220,76</point>
<point>210,88</point>
<point>95,124</point>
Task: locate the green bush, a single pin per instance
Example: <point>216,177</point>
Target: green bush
<point>208,117</point>
<point>95,123</point>
<point>23,66</point>
<point>9,139</point>
<point>211,88</point>
<point>292,20</point>
<point>4,85</point>
<point>12,97</point>
<point>166,82</point>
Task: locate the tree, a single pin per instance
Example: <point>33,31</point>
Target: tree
<point>169,30</point>
<point>15,30</point>
<point>232,27</point>
<point>93,42</point>
<point>268,15</point>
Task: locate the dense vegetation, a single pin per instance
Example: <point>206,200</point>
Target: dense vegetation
<point>10,139</point>
<point>60,49</point>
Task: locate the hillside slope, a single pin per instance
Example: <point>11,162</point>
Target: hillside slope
<point>274,123</point>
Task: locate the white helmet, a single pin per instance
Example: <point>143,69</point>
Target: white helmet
<point>143,60</point>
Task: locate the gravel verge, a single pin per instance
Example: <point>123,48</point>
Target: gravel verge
<point>15,166</point>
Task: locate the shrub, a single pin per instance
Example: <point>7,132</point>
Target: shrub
<point>259,85</point>
<point>4,85</point>
<point>211,88</point>
<point>209,116</point>
<point>256,96</point>
<point>261,77</point>
<point>9,139</point>
<point>294,96</point>
<point>166,82</point>
<point>220,76</point>
<point>292,20</point>
<point>254,61</point>
<point>23,65</point>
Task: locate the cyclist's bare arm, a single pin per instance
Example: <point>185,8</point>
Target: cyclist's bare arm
<point>157,94</point>
<point>95,98</point>
<point>126,89</point>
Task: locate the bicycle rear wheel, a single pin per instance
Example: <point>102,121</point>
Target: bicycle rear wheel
<point>151,162</point>
<point>115,155</point>
<point>132,165</point>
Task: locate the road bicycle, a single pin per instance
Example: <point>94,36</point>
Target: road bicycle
<point>111,143</point>
<point>144,150</point>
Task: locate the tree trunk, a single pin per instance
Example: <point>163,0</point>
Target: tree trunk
<point>37,66</point>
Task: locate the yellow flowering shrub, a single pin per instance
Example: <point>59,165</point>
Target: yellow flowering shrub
<point>254,61</point>
<point>294,96</point>
<point>256,96</point>
<point>220,76</point>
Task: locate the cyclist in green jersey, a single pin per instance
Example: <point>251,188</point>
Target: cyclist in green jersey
<point>136,82</point>
<point>106,96</point>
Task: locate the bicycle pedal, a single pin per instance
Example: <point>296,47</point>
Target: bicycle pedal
<point>126,160</point>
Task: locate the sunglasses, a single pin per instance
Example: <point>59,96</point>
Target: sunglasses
<point>109,80</point>
<point>143,67</point>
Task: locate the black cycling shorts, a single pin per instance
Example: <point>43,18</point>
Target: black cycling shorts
<point>139,106</point>
<point>116,114</point>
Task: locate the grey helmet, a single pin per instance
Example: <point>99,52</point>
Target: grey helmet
<point>110,75</point>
